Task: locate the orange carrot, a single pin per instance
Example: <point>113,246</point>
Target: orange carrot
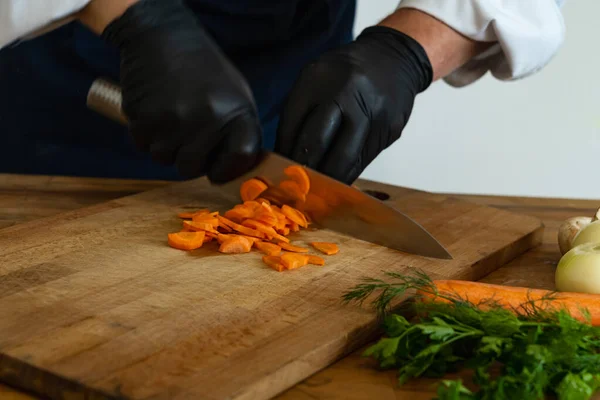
<point>254,223</point>
<point>251,189</point>
<point>273,262</point>
<point>239,213</point>
<point>259,226</point>
<point>315,260</point>
<point>292,190</point>
<point>236,245</point>
<point>290,247</point>
<point>266,215</point>
<point>298,175</point>
<point>294,227</point>
<point>249,231</point>
<point>293,261</point>
<point>514,298</point>
<point>270,249</point>
<point>294,215</point>
<point>199,226</point>
<point>224,221</point>
<point>186,240</point>
<point>225,228</point>
<point>326,248</point>
<point>206,219</point>
<point>223,237</point>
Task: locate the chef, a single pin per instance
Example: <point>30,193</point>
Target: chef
<point>207,83</point>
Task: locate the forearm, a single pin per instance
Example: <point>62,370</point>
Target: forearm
<point>99,13</point>
<point>446,48</point>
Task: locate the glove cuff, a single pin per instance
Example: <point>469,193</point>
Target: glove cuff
<point>146,16</point>
<point>404,48</point>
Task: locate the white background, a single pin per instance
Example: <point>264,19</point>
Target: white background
<point>539,136</point>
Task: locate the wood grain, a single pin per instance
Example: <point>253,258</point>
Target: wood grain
<point>104,306</point>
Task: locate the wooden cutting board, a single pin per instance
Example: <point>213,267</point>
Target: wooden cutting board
<point>94,304</point>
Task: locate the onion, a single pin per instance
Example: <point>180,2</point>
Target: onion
<point>579,269</point>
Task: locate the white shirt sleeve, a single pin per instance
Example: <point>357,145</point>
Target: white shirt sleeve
<point>19,18</point>
<point>528,34</point>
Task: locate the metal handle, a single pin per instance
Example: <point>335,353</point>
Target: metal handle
<point>105,98</point>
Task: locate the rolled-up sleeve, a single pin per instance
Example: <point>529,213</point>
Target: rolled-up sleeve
<point>19,18</point>
<point>527,33</point>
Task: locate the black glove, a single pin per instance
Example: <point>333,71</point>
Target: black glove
<point>353,102</point>
<point>186,103</point>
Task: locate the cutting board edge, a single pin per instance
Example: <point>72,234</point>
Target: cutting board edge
<point>20,374</point>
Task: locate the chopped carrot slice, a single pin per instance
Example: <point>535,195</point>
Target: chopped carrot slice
<point>249,231</point>
<point>266,214</point>
<point>294,215</point>
<point>263,201</point>
<point>186,240</point>
<point>252,204</point>
<point>224,221</point>
<point>236,245</point>
<point>239,213</point>
<point>199,226</point>
<point>299,175</point>
<point>259,226</point>
<point>223,237</point>
<point>293,261</point>
<point>251,189</point>
<point>315,260</point>
<point>292,190</point>
<point>225,228</point>
<point>291,247</point>
<point>326,248</point>
<point>294,227</point>
<point>269,249</point>
<point>207,238</point>
<point>206,219</point>
<point>273,262</point>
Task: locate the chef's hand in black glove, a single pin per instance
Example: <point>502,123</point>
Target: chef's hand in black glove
<point>353,102</point>
<point>186,103</point>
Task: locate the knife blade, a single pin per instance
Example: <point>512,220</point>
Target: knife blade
<point>329,203</point>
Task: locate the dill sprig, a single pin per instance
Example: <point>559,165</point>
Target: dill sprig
<point>527,352</point>
<point>389,290</point>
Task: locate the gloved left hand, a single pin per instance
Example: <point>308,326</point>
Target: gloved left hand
<point>353,102</point>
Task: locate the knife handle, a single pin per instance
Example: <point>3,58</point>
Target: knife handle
<point>106,99</point>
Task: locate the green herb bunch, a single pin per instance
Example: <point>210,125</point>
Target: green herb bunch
<point>524,355</point>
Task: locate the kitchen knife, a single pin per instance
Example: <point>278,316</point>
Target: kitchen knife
<point>329,203</point>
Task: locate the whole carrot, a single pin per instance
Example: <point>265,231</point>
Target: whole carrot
<point>515,298</point>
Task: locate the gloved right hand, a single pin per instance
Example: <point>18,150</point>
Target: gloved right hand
<point>186,103</point>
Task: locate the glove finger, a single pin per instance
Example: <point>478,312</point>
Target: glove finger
<point>291,120</point>
<point>316,135</point>
<point>238,151</point>
<point>346,150</point>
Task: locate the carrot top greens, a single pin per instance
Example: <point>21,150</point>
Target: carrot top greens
<point>523,354</point>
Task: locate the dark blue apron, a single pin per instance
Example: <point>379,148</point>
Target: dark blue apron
<point>45,127</point>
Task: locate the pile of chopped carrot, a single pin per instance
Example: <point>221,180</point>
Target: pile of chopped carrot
<point>256,223</point>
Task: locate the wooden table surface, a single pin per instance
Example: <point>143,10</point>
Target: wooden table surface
<point>23,198</point>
